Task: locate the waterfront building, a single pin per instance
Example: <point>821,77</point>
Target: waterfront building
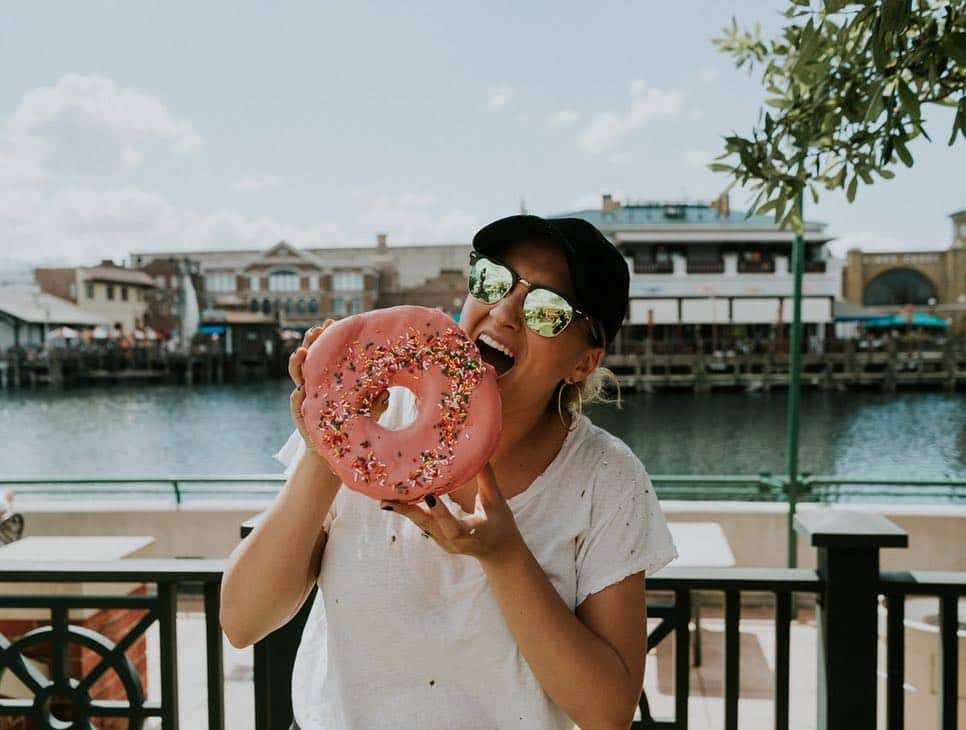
<point>27,316</point>
<point>707,272</point>
<point>298,288</point>
<point>114,292</point>
<point>930,281</point>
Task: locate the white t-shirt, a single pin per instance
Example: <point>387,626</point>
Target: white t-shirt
<point>403,634</point>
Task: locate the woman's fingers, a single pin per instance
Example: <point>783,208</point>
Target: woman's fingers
<point>295,361</point>
<point>449,526</point>
<point>489,490</point>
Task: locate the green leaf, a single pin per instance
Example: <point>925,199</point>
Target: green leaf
<point>853,188</point>
<point>903,151</point>
<point>954,46</point>
<point>833,6</point>
<point>910,102</point>
<point>718,167</point>
<point>895,14</point>
<point>886,174</point>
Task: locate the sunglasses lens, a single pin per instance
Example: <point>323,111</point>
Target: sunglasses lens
<point>488,281</point>
<point>546,313</point>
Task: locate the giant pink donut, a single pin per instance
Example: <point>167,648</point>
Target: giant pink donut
<point>459,414</point>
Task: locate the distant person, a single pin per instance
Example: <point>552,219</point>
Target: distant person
<point>516,601</point>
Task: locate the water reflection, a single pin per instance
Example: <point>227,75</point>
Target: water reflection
<point>237,428</point>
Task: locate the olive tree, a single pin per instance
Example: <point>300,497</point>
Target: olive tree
<point>846,85</point>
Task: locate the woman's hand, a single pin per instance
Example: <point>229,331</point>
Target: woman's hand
<point>489,534</point>
<point>295,361</point>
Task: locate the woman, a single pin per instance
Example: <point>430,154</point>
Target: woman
<point>514,601</point>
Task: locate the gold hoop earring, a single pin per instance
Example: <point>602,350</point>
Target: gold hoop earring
<point>580,406</point>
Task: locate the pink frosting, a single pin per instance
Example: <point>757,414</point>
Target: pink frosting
<point>459,414</point>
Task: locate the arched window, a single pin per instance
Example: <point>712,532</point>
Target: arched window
<point>898,287</point>
<point>266,306</point>
<point>254,305</point>
<point>283,281</point>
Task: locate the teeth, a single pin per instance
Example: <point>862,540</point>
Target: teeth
<point>496,345</point>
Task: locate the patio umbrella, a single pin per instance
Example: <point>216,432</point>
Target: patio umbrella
<point>63,333</point>
<point>919,319</point>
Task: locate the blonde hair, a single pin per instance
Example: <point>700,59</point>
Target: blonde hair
<point>595,388</point>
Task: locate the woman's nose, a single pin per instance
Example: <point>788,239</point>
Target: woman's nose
<point>509,310</point>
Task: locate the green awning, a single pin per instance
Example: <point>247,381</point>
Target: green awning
<point>919,319</point>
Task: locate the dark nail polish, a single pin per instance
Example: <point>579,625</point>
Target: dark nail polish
<point>430,500</point>
<point>388,508</point>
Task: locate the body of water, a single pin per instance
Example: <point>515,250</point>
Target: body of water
<point>235,429</point>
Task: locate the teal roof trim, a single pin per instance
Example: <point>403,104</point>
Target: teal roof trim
<point>641,215</point>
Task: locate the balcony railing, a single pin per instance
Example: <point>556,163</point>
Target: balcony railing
<point>705,267</point>
<point>653,267</point>
<point>756,267</point>
<point>848,584</point>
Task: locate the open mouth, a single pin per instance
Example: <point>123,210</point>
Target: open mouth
<point>501,361</point>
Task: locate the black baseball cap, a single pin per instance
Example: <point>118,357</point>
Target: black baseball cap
<point>597,269</point>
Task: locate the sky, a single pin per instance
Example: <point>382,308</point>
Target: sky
<point>131,126</point>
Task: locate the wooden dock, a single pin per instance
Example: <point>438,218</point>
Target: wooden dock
<point>886,369</point>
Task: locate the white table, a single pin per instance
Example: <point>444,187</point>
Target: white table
<point>700,545</point>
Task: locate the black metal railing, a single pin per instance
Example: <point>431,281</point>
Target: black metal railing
<point>62,694</point>
<point>847,585</point>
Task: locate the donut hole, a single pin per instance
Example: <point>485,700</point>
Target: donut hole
<point>404,402</point>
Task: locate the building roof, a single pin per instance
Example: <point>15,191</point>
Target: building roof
<point>647,215</point>
<point>117,275</point>
<point>40,308</point>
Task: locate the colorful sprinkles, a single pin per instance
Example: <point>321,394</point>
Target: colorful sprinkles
<point>374,368</point>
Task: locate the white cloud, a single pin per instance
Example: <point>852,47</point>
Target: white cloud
<point>564,118</point>
<point>87,127</point>
<point>500,97</point>
<point>77,101</point>
<point>606,129</point>
<point>252,183</point>
<point>708,74</point>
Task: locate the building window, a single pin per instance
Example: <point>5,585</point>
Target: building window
<point>313,282</point>
<point>283,281</point>
<point>220,281</point>
<point>288,307</point>
<point>124,293</point>
<point>254,305</point>
<point>266,306</point>
<point>89,290</point>
<point>110,291</point>
<point>300,307</point>
<point>347,281</point>
<point>355,305</point>
<point>313,306</point>
<point>254,282</point>
<point>338,306</point>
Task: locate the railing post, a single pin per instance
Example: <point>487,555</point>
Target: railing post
<point>273,662</point>
<point>848,562</point>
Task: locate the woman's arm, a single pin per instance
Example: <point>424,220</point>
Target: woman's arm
<point>271,571</point>
<point>591,664</point>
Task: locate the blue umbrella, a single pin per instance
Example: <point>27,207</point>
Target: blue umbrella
<point>919,319</point>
